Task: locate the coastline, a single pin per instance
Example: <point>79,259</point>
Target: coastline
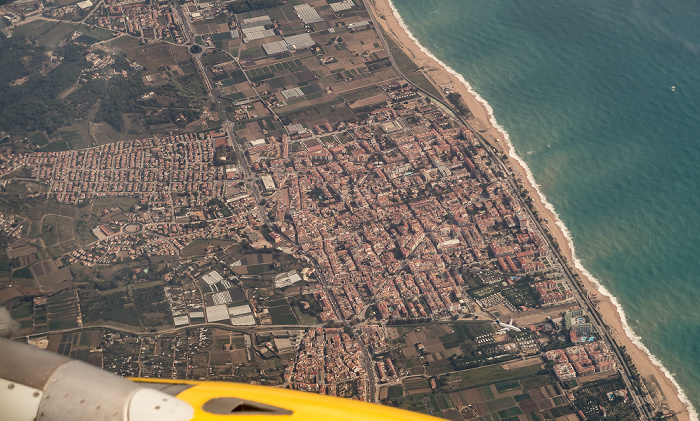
<point>607,305</point>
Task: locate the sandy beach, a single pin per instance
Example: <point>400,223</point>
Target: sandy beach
<point>438,75</point>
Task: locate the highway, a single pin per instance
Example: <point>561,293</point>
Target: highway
<point>170,330</point>
<point>372,391</point>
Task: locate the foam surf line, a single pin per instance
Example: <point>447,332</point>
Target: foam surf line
<point>636,339</point>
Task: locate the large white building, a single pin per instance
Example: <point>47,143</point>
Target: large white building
<point>268,182</point>
<point>307,14</point>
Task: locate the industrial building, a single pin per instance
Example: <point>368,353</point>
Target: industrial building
<point>276,47</point>
<point>357,26</point>
<point>255,28</point>
<point>343,5</point>
<point>294,43</point>
<point>299,42</point>
<point>307,14</point>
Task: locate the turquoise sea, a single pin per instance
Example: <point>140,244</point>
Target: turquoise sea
<point>601,99</point>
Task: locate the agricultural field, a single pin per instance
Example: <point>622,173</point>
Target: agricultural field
<point>305,315</point>
<point>203,246</point>
<point>127,307</point>
<point>78,345</point>
<point>503,393</point>
<point>283,315</point>
<point>440,348</point>
<point>56,312</point>
<point>97,34</point>
<point>47,33</point>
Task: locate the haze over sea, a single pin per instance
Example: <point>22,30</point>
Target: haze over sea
<point>601,99</point>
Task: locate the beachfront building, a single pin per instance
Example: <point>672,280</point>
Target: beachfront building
<point>600,354</point>
<point>564,372</point>
<point>558,356</point>
<point>570,315</point>
<point>584,367</point>
<point>551,291</point>
<point>582,329</point>
<point>604,366</point>
<point>576,353</point>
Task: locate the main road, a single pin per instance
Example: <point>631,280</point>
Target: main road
<point>170,330</point>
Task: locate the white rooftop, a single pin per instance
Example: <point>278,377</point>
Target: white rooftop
<point>223,297</point>
<point>291,93</point>
<point>287,279</point>
<point>343,5</point>
<point>252,29</point>
<point>217,313</point>
<point>268,182</point>
<point>359,24</point>
<point>265,33</point>
<point>275,47</point>
<point>197,314</point>
<point>181,320</point>
<point>264,18</point>
<point>239,310</point>
<point>296,128</point>
<point>299,42</point>
<point>307,14</point>
<point>243,320</point>
<point>84,4</point>
<point>212,277</point>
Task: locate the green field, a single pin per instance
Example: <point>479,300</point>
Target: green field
<point>395,392</point>
<point>510,412</point>
<point>282,315</point>
<point>487,375</point>
<point>98,33</point>
<point>197,247</point>
<point>56,229</point>
<point>38,138</point>
<point>73,139</point>
<point>417,383</point>
<point>34,29</point>
<point>507,386</point>
<point>256,269</point>
<point>214,58</point>
<point>523,397</point>
<point>357,95</point>
<point>470,330</point>
<point>535,381</point>
<point>57,35</point>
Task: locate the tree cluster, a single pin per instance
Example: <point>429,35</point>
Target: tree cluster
<point>457,101</point>
<point>34,104</point>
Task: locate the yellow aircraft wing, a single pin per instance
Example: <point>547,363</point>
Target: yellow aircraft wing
<point>220,401</point>
<point>40,385</point>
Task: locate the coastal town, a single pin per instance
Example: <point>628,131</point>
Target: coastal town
<point>284,198</point>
